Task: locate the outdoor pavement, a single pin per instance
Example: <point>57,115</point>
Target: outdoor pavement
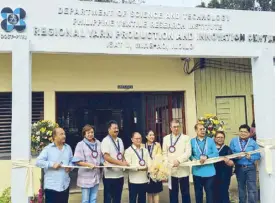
<point>75,197</point>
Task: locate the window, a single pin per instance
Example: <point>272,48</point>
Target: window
<point>6,118</point>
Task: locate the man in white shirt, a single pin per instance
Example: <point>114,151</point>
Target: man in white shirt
<point>137,156</point>
<point>113,150</point>
<point>177,150</point>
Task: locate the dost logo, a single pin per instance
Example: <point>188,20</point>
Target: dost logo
<point>13,19</point>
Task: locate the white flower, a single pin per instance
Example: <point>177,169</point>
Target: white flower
<point>38,133</point>
<point>38,138</point>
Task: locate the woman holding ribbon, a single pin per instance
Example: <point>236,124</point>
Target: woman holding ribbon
<point>137,156</point>
<point>154,148</point>
<point>223,170</point>
<point>88,154</point>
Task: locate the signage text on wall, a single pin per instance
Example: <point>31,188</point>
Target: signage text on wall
<point>83,26</point>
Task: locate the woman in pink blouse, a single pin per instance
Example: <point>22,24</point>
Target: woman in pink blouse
<point>88,153</point>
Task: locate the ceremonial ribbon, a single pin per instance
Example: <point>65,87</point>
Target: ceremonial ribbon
<point>29,176</point>
<point>266,146</point>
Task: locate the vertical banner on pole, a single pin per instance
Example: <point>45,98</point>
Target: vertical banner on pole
<point>21,116</point>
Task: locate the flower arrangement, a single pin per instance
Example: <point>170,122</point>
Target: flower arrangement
<point>212,124</point>
<point>158,171</point>
<point>38,198</point>
<point>41,135</point>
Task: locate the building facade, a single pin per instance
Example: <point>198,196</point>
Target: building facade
<point>74,90</point>
<point>87,62</point>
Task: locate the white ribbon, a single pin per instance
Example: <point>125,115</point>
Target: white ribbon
<point>266,145</point>
<point>29,176</point>
<point>267,151</point>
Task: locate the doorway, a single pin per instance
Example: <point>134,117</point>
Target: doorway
<point>232,110</point>
<point>135,111</point>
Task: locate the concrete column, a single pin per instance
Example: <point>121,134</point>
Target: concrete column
<point>190,104</point>
<point>263,72</point>
<point>21,116</point>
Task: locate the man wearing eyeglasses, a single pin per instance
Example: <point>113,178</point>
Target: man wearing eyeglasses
<point>177,150</point>
<point>137,156</point>
<point>245,166</point>
<point>203,148</point>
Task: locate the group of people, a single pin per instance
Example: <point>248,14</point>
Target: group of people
<point>177,148</point>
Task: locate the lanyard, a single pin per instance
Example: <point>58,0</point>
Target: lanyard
<point>204,152</point>
<point>116,146</point>
<point>92,150</point>
<point>172,145</point>
<point>246,145</point>
<point>151,149</point>
<point>221,148</point>
<point>140,158</point>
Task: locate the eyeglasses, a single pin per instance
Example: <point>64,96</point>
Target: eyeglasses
<point>244,131</point>
<point>176,126</point>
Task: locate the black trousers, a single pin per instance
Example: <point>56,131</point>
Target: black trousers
<point>113,189</point>
<point>52,196</point>
<point>184,187</point>
<point>137,191</point>
<point>208,184</point>
<point>221,189</point>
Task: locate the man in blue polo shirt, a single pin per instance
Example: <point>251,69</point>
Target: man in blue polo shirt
<point>203,147</point>
<point>245,166</point>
